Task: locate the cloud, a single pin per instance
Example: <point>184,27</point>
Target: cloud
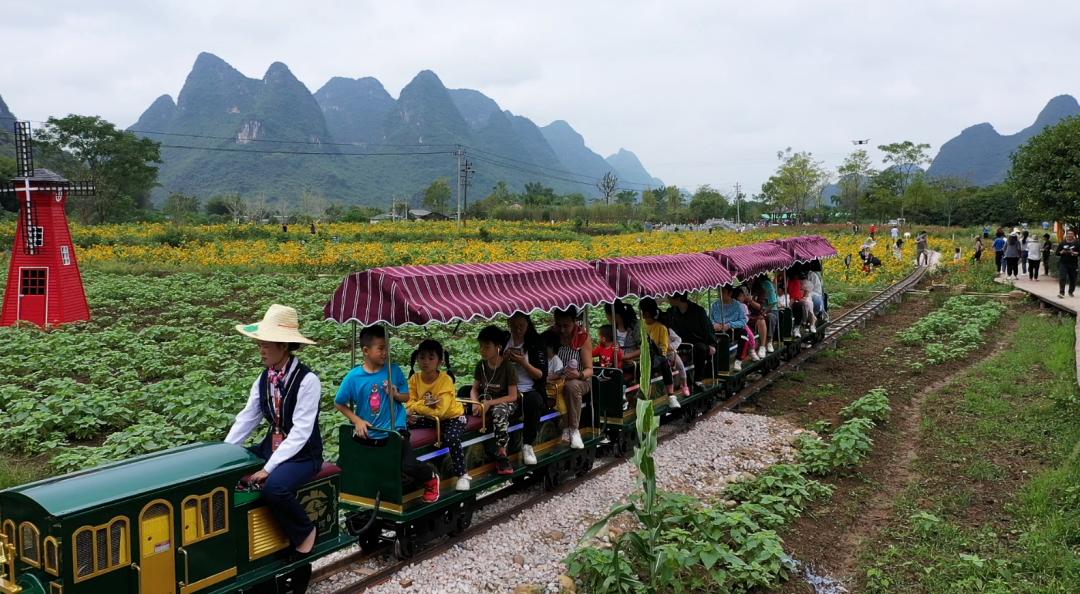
<point>703,92</point>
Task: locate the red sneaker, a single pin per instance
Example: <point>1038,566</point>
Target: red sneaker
<point>503,466</point>
<point>431,490</point>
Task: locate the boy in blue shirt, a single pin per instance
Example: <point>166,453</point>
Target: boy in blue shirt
<point>375,405</point>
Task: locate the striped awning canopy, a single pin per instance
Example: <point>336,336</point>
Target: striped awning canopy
<point>403,295</point>
<point>658,276</point>
<point>748,261</point>
<point>807,247</point>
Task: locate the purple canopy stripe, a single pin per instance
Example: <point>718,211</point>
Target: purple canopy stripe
<point>658,276</point>
<point>807,247</point>
<point>402,295</point>
<point>748,261</point>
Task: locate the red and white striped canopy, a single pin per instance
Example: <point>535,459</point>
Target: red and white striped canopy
<point>402,295</point>
<point>657,276</point>
<point>748,261</point>
<point>807,247</point>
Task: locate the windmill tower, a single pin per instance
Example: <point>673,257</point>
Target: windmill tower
<point>44,284</point>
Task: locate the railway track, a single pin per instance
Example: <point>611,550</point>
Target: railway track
<point>850,320</point>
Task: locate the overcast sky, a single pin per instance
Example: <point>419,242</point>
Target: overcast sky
<point>704,92</point>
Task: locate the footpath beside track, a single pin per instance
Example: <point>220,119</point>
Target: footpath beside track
<point>850,320</point>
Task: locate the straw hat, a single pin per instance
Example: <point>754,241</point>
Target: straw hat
<point>280,323</point>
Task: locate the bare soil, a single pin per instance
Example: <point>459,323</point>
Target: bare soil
<point>829,536</point>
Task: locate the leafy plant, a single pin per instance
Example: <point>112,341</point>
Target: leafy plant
<point>874,405</point>
<point>955,329</point>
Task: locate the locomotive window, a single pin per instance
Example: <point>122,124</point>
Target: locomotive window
<point>33,281</point>
<point>52,556</point>
<point>100,549</point>
<point>30,544</point>
<point>205,516</point>
<point>65,255</point>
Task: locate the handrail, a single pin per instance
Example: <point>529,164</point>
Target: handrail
<point>483,411</point>
<point>187,572</point>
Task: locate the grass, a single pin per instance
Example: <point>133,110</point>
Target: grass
<point>995,506</point>
<point>18,472</point>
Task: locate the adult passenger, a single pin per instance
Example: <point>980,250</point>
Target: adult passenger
<point>1067,252</point>
<point>527,352</point>
<point>728,316</point>
<point>691,322</point>
<point>575,350</point>
<point>286,394</point>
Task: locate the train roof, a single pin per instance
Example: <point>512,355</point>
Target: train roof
<point>95,487</point>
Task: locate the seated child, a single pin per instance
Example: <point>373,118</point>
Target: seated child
<point>495,384</point>
<point>607,353</point>
<point>432,396</point>
<point>660,346</point>
<point>372,397</point>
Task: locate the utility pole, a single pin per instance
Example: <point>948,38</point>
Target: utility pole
<point>465,171</point>
<point>738,203</point>
<point>460,154</point>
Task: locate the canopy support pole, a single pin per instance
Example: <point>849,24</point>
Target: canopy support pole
<point>352,346</point>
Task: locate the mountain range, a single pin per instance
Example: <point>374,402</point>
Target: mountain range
<point>981,155</point>
<point>354,142</point>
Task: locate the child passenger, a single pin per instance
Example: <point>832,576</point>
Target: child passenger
<point>607,353</point>
<point>495,385</point>
<point>432,396</point>
<point>372,397</point>
<point>660,337</point>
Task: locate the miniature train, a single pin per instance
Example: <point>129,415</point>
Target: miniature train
<point>179,521</point>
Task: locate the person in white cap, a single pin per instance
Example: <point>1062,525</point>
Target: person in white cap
<point>287,395</point>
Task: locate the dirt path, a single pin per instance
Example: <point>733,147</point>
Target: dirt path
<point>829,538</point>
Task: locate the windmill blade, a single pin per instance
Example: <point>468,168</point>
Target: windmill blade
<point>24,152</point>
<point>81,188</point>
<point>9,199</point>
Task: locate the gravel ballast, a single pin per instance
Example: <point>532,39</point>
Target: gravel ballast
<point>527,552</point>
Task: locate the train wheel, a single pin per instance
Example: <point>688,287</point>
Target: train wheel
<point>405,545</point>
<point>370,542</point>
<point>464,519</point>
<point>552,478</point>
<point>586,459</point>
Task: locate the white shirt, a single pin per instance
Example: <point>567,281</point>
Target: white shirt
<point>525,381</point>
<point>555,366</point>
<point>895,232</point>
<point>304,416</point>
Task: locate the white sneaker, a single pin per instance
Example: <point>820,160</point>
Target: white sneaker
<point>770,348</point>
<point>737,366</point>
<point>527,455</point>
<point>565,436</point>
<point>575,440</point>
<point>813,329</point>
<point>754,356</point>
<point>796,332</point>
<point>673,401</point>
<point>464,483</point>
<point>761,352</point>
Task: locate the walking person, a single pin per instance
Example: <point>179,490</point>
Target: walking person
<point>1067,252</point>
<point>999,250</point>
<point>1034,251</point>
<point>977,257</point>
<point>1012,256</point>
<point>1047,247</point>
<point>1024,252</point>
<point>922,258</point>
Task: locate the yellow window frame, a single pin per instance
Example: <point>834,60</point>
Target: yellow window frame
<point>51,541</point>
<point>23,528</point>
<point>125,548</point>
<point>56,588</point>
<point>9,529</point>
<point>192,523</point>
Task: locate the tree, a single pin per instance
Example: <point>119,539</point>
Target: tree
<point>437,195</point>
<point>797,181</point>
<point>181,207</point>
<point>313,205</point>
<point>121,164</point>
<point>233,204</point>
<point>608,186</point>
<point>951,191</point>
<point>707,203</point>
<point>256,207</point>
<point>537,194</point>
<point>1045,174</point>
<point>854,174</point>
<point>626,197</point>
<point>907,158</point>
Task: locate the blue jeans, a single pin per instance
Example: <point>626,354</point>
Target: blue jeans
<point>279,491</point>
<point>819,303</point>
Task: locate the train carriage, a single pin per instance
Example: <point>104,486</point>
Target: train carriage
<point>421,295</point>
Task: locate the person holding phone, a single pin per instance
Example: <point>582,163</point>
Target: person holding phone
<point>1067,252</point>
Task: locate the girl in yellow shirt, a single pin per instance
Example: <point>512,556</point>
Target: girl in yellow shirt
<point>432,396</point>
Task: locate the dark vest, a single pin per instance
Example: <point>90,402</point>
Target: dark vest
<point>313,449</point>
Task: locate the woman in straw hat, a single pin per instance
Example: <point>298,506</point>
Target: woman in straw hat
<point>287,395</point>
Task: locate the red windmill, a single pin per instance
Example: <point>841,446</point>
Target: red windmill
<point>44,284</point>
